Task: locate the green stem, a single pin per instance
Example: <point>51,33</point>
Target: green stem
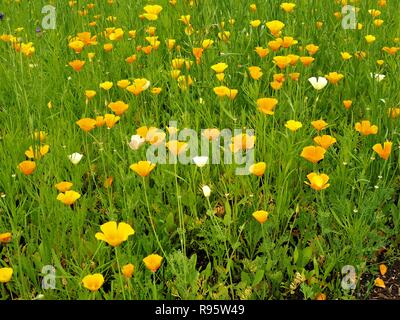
<point>119,274</point>
<point>151,218</point>
<point>154,287</point>
<point>180,214</point>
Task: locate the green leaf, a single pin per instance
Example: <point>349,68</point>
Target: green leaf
<point>258,277</point>
<point>228,214</point>
<point>295,255</point>
<point>307,253</point>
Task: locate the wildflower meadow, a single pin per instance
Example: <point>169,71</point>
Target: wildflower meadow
<point>199,149</point>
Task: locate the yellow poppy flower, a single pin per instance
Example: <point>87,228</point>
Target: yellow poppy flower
<point>153,262</point>
<point>317,181</point>
<point>69,197</point>
<point>93,282</point>
<point>143,168</point>
<point>114,234</point>
<point>5,274</point>
<point>261,216</point>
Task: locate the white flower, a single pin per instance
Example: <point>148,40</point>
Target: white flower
<point>146,85</point>
<point>206,191</point>
<point>75,158</point>
<point>136,142</point>
<point>377,76</point>
<point>319,83</point>
<point>200,161</point>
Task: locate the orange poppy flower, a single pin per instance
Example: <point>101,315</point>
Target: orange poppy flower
<point>86,124</point>
<point>77,65</point>
<point>325,141</point>
<point>365,128</point>
<point>313,154</point>
<point>153,262</point>
<point>383,152</point>
<point>267,105</point>
<point>118,107</point>
<point>27,167</point>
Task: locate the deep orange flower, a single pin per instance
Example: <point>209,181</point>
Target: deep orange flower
<point>131,59</point>
<point>198,52</point>
<point>77,65</point>
<point>27,167</point>
<point>391,50</point>
<point>347,104</point>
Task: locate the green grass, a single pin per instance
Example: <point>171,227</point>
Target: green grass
<point>226,256</point>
